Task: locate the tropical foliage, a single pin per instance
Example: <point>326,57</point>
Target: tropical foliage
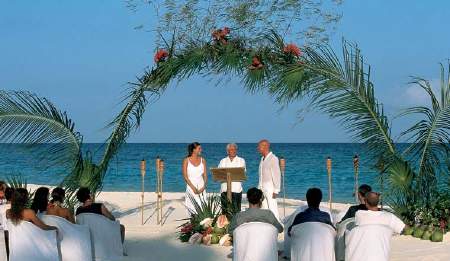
<point>206,225</point>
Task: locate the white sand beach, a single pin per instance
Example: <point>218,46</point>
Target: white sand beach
<point>153,242</point>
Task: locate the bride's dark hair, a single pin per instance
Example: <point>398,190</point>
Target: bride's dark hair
<point>18,204</point>
<point>192,147</point>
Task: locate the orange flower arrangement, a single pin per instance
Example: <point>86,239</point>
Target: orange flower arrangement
<point>161,55</point>
<point>221,35</point>
<point>256,64</point>
<point>292,49</point>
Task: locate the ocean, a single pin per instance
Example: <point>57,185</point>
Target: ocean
<point>305,166</point>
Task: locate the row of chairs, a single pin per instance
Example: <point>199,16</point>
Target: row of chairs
<point>94,237</point>
<point>314,241</point>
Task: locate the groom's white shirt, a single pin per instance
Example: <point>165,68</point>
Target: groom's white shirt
<point>269,181</point>
<point>269,173</point>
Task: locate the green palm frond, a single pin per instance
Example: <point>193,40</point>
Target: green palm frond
<point>35,121</point>
<point>345,92</point>
<point>430,136</point>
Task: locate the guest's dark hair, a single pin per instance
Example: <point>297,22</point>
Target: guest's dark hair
<point>83,194</point>
<point>364,189</point>
<point>58,195</point>
<point>372,198</point>
<point>3,185</point>
<point>19,201</point>
<point>40,200</point>
<point>192,147</point>
<point>314,197</point>
<point>9,193</point>
<point>254,196</point>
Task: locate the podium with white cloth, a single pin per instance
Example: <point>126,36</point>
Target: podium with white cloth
<point>228,175</point>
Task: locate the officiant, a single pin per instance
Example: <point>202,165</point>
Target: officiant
<point>232,161</point>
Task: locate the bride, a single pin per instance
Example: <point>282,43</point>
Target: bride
<point>195,176</point>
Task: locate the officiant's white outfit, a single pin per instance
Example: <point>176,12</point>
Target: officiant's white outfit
<point>269,181</point>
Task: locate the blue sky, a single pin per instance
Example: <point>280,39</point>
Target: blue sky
<point>81,54</point>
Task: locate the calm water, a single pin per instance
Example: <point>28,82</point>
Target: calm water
<point>305,166</point>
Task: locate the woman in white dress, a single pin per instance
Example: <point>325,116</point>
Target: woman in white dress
<point>195,176</point>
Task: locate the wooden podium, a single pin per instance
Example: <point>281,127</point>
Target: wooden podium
<point>228,175</point>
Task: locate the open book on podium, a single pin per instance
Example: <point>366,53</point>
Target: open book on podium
<point>228,175</point>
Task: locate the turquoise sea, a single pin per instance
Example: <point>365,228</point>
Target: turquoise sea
<point>305,166</point>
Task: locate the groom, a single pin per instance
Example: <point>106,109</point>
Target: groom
<point>269,177</point>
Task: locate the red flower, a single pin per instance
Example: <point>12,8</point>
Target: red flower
<point>292,49</point>
<point>187,228</point>
<point>161,55</point>
<point>208,231</point>
<point>256,63</point>
<point>220,35</point>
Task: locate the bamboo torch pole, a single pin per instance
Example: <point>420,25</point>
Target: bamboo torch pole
<point>158,161</point>
<point>330,194</point>
<point>143,190</point>
<point>283,168</point>
<point>160,195</point>
<point>356,168</point>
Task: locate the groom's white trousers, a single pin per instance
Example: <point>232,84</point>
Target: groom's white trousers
<point>270,202</point>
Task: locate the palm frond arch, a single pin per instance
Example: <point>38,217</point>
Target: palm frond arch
<point>340,87</point>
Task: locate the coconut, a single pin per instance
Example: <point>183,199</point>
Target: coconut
<point>437,236</point>
<point>215,239</point>
<point>418,232</point>
<point>427,235</point>
<point>408,231</point>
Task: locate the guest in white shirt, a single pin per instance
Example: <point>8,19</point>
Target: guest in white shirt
<point>269,177</point>
<point>232,161</point>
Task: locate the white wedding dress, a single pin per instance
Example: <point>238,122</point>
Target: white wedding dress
<point>195,175</point>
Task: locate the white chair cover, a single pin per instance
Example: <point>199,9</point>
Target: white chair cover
<point>368,243</point>
<point>3,221</point>
<point>338,217</point>
<point>3,256</point>
<point>255,241</point>
<point>105,236</point>
<point>75,240</point>
<point>342,229</point>
<point>312,241</point>
<point>288,222</point>
<point>29,242</point>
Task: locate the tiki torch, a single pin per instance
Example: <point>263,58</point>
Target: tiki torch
<point>356,169</point>
<point>158,161</point>
<point>143,189</point>
<point>160,189</point>
<point>283,168</point>
<point>330,196</point>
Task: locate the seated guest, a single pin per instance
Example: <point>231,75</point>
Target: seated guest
<point>362,191</point>
<point>3,208</point>
<point>254,213</point>
<point>374,215</point>
<point>55,207</point>
<point>312,213</point>
<point>84,196</point>
<point>40,201</point>
<point>18,211</point>
<point>3,187</point>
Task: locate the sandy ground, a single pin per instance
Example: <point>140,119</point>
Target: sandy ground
<point>153,242</point>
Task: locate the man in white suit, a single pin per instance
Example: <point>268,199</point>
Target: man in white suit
<point>269,177</point>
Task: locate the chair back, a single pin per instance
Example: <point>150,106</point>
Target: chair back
<point>75,240</point>
<point>368,242</point>
<point>255,241</point>
<point>290,219</point>
<point>29,242</point>
<point>105,236</point>
<point>342,229</point>
<point>312,241</point>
